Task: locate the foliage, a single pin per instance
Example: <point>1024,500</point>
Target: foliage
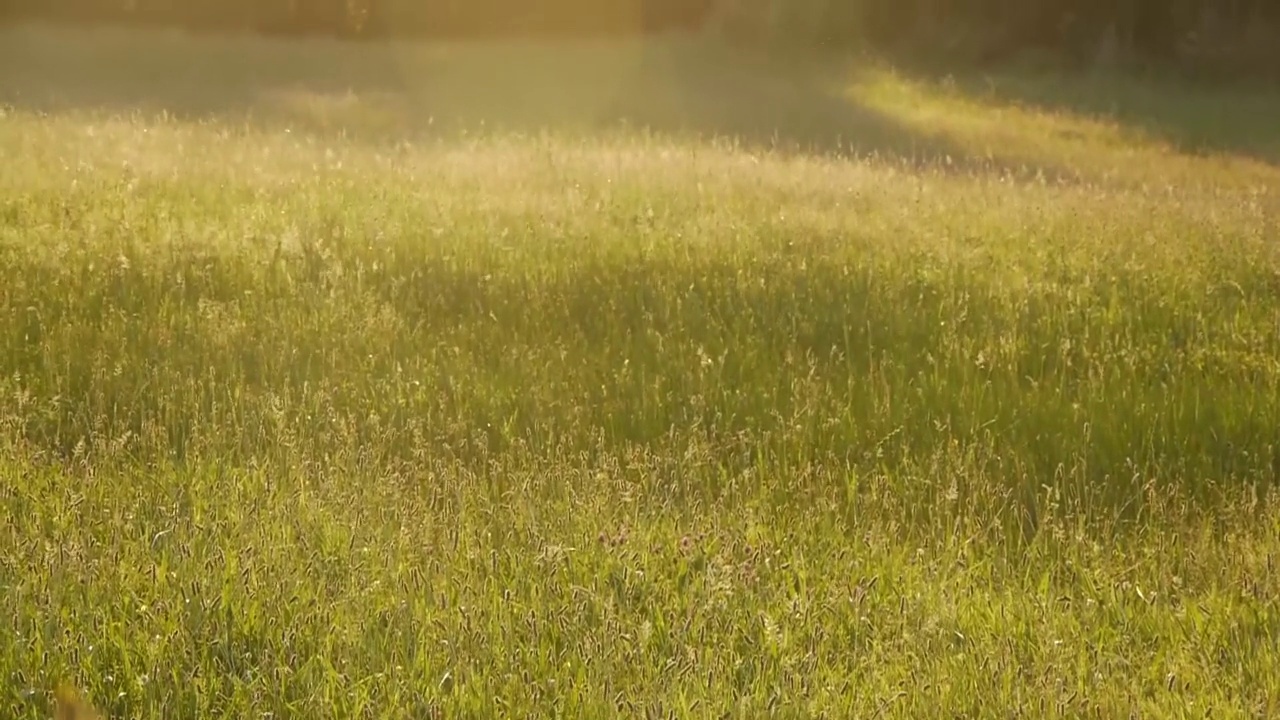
<point>985,28</point>
<point>382,17</point>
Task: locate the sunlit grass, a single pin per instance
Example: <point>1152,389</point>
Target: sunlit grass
<point>1110,128</point>
<point>356,418</point>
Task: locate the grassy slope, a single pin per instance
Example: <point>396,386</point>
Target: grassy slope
<point>404,419</point>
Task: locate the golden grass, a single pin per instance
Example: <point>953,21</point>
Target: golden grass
<point>689,384</point>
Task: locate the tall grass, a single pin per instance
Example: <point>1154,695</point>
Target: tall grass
<point>626,424</point>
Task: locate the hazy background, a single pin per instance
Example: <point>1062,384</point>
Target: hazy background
<point>1219,36</point>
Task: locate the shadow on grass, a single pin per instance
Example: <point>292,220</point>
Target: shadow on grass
<point>683,87</point>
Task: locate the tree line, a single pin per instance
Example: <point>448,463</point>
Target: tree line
<point>981,29</point>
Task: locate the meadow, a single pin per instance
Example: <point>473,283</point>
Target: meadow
<point>630,379</point>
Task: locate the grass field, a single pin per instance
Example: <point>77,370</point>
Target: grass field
<point>638,380</point>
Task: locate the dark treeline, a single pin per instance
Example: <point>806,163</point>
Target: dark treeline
<point>981,29</point>
<point>381,18</point>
